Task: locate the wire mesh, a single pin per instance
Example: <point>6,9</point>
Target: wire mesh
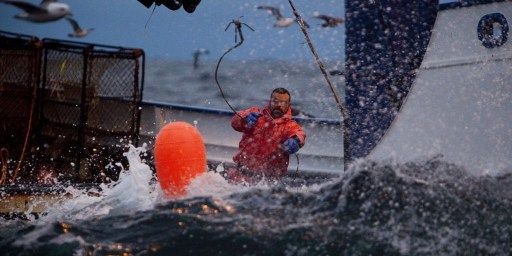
<point>87,107</point>
<point>17,93</point>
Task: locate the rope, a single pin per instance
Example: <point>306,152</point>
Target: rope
<point>4,155</point>
<point>341,107</point>
<point>238,31</point>
<point>27,135</point>
<point>151,15</point>
<point>297,171</point>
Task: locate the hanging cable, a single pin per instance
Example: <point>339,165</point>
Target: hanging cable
<point>27,137</point>
<point>297,171</point>
<point>238,33</point>
<point>151,15</point>
<point>29,128</point>
<point>341,107</point>
<point>4,157</point>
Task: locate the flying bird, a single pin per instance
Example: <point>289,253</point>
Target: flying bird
<point>329,21</point>
<point>47,10</point>
<point>77,31</point>
<point>197,53</point>
<point>280,20</point>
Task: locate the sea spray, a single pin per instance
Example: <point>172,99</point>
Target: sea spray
<point>420,208</point>
<point>133,191</point>
<point>213,184</point>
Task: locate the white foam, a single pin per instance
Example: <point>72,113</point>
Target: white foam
<point>211,184</point>
<point>132,192</point>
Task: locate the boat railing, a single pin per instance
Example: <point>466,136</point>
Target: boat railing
<point>224,112</point>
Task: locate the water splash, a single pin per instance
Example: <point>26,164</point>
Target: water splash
<point>213,184</point>
<point>134,191</point>
<point>421,208</point>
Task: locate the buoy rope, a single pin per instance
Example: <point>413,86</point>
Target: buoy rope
<point>4,155</point>
<point>27,135</point>
<point>341,107</point>
<point>297,171</point>
<point>238,32</point>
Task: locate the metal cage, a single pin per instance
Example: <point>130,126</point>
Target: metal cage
<point>85,108</point>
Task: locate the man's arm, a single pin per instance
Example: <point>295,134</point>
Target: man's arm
<point>297,131</point>
<point>238,121</point>
<point>295,138</point>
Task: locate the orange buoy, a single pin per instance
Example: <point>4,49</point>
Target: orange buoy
<point>180,156</point>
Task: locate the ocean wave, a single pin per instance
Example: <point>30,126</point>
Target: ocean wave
<point>426,207</point>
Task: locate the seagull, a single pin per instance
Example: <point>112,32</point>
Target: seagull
<point>329,21</point>
<point>196,55</point>
<point>281,21</point>
<point>47,10</point>
<point>77,31</point>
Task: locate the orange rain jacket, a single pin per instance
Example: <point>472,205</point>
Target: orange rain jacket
<point>259,149</point>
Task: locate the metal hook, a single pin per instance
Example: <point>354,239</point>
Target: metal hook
<point>238,28</point>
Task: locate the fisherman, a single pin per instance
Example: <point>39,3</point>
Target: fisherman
<point>269,137</point>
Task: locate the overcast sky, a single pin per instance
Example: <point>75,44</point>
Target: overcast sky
<point>176,34</point>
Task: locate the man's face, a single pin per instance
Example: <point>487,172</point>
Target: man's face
<point>279,104</point>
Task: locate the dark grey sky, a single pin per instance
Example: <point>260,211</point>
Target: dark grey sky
<point>176,34</point>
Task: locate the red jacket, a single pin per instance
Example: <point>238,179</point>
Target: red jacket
<point>259,148</point>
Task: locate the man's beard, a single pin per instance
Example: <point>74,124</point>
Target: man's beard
<point>277,112</point>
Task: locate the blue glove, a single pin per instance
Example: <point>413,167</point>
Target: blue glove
<point>291,145</point>
<point>252,118</point>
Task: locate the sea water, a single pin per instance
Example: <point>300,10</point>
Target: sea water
<point>428,207</point>
<point>245,84</point>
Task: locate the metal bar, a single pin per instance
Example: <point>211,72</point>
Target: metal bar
<point>42,98</point>
<point>21,36</point>
<point>92,46</point>
<point>223,112</point>
<point>136,102</point>
<point>139,104</point>
<point>83,110</point>
<point>34,57</point>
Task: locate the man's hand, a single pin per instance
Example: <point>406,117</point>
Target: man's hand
<point>291,145</point>
<point>251,119</point>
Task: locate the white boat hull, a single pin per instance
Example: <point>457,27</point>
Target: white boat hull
<point>460,105</point>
